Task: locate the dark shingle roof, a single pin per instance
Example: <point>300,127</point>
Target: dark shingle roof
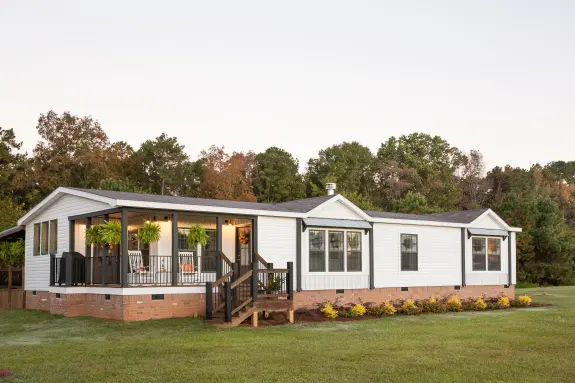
<point>298,206</point>
<point>465,216</point>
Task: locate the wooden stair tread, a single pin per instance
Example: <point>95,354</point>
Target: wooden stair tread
<point>236,319</point>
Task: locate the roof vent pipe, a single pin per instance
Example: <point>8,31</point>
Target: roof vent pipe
<point>330,187</point>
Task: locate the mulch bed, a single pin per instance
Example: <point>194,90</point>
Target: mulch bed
<point>314,316</point>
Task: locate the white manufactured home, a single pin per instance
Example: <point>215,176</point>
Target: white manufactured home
<point>258,257</point>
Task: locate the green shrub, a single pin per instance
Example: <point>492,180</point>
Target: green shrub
<point>526,285</point>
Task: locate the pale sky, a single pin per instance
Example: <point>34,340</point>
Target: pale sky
<point>497,76</point>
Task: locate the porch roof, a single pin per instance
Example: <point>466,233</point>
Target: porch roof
<point>298,206</point>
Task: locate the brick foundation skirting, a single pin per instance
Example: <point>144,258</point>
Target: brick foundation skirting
<point>119,307</point>
<point>142,307</point>
<point>310,298</point>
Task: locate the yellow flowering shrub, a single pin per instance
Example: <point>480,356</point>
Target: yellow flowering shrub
<point>358,310</point>
<point>503,302</point>
<point>409,304</point>
<point>328,311</point>
<point>480,304</point>
<point>453,303</point>
<point>432,300</point>
<point>524,300</point>
<point>388,309</point>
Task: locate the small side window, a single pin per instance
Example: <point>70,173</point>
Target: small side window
<point>409,250</point>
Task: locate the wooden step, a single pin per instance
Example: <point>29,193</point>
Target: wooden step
<point>240,316</point>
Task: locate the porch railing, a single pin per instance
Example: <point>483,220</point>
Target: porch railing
<point>143,269</point>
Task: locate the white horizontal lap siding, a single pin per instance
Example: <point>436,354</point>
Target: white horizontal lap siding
<point>334,280</point>
<point>486,278</point>
<point>439,256</point>
<point>37,268</point>
<point>277,242</point>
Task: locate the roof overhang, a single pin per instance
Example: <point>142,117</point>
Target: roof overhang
<point>335,223</point>
<point>13,232</point>
<point>487,233</point>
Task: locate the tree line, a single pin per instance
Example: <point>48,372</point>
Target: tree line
<point>416,173</point>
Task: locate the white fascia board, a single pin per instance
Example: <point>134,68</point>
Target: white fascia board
<point>207,209</point>
<point>350,205</point>
<point>417,223</point>
<point>55,195</point>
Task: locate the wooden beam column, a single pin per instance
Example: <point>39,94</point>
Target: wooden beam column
<point>105,250</point>
<point>88,255</point>
<point>175,253</point>
<point>298,231</point>
<point>124,256</point>
<point>219,246</point>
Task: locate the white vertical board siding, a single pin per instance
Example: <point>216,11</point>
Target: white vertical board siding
<point>485,278</point>
<point>277,242</point>
<point>336,210</point>
<point>37,268</point>
<point>439,256</point>
<point>334,280</point>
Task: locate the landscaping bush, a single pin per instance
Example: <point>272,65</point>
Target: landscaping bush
<point>431,305</point>
<point>453,304</point>
<point>328,311</point>
<point>358,309</point>
<point>524,301</point>
<point>503,303</point>
<point>480,304</point>
<point>410,308</point>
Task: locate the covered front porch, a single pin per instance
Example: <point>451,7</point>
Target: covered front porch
<point>169,261</point>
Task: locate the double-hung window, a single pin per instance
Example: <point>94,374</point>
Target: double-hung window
<point>316,250</point>
<point>334,250</point>
<point>486,254</point>
<point>45,237</point>
<point>409,252</point>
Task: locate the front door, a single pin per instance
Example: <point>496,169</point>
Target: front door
<point>243,248</point>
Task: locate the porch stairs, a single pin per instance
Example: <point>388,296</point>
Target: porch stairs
<point>233,298</point>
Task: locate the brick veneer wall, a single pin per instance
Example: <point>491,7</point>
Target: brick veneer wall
<point>310,298</point>
<point>119,307</point>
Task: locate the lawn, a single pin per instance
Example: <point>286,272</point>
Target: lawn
<point>536,344</point>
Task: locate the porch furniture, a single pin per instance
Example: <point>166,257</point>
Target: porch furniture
<point>138,273</point>
<point>187,267</point>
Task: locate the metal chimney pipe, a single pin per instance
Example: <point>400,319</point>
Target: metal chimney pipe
<point>330,187</point>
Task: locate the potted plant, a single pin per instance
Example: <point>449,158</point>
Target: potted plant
<point>197,235</point>
<point>111,232</point>
<point>94,236</point>
<point>149,233</point>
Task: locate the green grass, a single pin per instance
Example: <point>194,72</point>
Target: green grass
<point>534,345</point>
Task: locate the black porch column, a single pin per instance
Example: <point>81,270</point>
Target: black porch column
<point>72,236</point>
<point>175,253</point>
<point>298,231</point>
<point>254,238</point>
<point>88,252</point>
<point>124,257</point>
<point>219,246</point>
<point>105,250</point>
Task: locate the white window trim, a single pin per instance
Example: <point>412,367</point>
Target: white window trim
<point>400,252</point>
<point>345,272</point>
<point>39,223</point>
<point>487,255</point>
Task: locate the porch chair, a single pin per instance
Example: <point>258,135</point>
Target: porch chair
<point>187,266</point>
<point>137,273</point>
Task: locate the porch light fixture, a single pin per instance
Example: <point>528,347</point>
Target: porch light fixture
<point>227,222</point>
